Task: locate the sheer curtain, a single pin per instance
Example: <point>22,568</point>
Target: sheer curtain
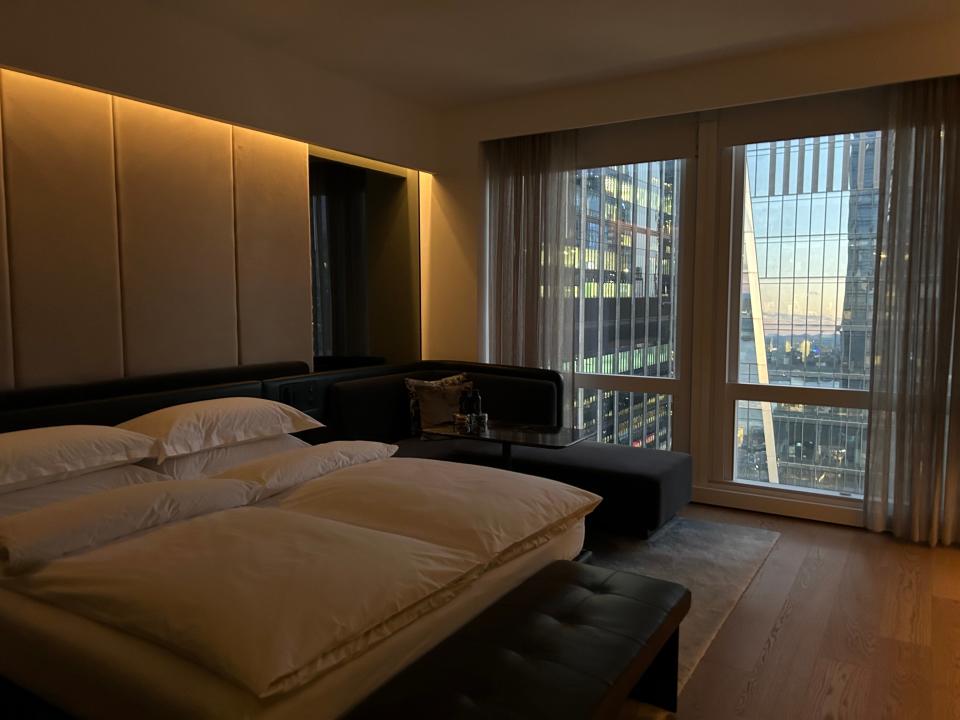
<point>530,216</point>
<point>913,478</point>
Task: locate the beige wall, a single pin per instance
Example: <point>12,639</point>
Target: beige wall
<point>274,277</point>
<point>450,255</point>
<point>178,62</point>
<point>453,250</point>
<point>141,240</point>
<point>393,265</point>
<point>157,53</point>
<point>62,250</point>
<point>6,319</point>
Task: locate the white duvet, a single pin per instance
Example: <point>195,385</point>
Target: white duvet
<point>273,597</point>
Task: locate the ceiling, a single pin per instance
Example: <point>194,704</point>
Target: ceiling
<point>450,52</point>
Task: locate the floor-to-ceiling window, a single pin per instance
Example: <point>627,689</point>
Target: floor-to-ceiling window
<point>785,304</point>
<point>808,235</point>
<point>625,254</point>
<point>723,292</point>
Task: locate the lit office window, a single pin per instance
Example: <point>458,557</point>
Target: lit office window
<point>640,420</point>
<point>629,256</point>
<point>625,281</point>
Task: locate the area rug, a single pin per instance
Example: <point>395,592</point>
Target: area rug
<point>716,561</point>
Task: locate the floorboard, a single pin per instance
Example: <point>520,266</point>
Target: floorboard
<point>946,658</point>
<point>838,623</point>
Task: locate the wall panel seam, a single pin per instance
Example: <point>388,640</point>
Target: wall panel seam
<point>116,202</point>
<point>9,235</point>
<point>236,240</point>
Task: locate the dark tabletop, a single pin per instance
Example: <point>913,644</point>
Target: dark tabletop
<point>531,435</point>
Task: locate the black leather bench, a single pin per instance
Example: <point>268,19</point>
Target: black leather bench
<point>642,489</point>
<point>574,641</point>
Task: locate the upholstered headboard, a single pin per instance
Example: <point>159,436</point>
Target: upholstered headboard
<point>137,240</point>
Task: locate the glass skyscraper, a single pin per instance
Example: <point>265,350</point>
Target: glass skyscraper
<point>809,258</point>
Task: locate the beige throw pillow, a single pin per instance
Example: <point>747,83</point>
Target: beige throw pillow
<point>434,402</point>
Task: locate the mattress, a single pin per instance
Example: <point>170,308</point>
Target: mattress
<point>95,671</point>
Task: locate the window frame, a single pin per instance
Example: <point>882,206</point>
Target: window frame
<point>704,397</point>
<point>678,387</point>
<point>735,390</point>
<point>719,249</point>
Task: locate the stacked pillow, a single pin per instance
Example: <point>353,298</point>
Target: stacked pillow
<point>204,438</point>
<point>90,483</point>
<point>181,441</point>
<point>44,455</point>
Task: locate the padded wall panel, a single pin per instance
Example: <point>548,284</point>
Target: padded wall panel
<point>61,232</point>
<point>6,331</point>
<point>273,248</point>
<point>175,192</point>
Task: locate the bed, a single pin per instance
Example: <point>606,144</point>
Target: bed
<point>97,667</point>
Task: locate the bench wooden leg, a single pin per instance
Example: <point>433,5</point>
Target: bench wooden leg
<point>658,686</point>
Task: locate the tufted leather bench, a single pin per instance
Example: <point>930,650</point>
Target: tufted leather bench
<point>574,641</point>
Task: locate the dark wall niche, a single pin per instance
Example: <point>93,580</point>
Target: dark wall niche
<point>366,262</point>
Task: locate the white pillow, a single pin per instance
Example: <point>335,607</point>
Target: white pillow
<point>189,428</point>
<point>90,483</point>
<point>47,533</point>
<point>286,470</point>
<point>214,461</point>
<point>43,455</point>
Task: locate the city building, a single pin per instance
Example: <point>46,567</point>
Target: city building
<point>808,268</point>
<point>624,284</point>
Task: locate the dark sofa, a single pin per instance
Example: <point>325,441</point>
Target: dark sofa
<point>643,488</point>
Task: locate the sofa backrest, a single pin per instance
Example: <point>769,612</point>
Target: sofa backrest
<point>378,408</point>
<point>373,408</point>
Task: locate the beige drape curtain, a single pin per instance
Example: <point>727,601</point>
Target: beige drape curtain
<point>530,216</point>
<point>913,478</point>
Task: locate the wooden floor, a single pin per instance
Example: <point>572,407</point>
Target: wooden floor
<point>838,623</point>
